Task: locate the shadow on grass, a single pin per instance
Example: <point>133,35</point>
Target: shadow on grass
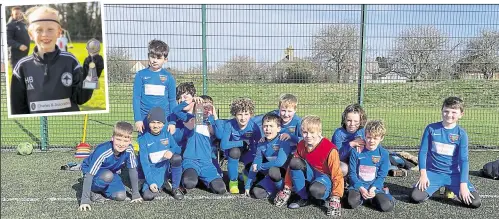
<point>27,132</point>
<point>78,188</point>
<point>402,192</point>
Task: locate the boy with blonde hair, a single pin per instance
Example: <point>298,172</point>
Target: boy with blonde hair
<point>368,170</point>
<point>291,123</point>
<point>317,162</point>
<point>49,80</point>
<point>101,179</point>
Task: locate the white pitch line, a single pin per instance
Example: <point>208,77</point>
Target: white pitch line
<point>200,197</point>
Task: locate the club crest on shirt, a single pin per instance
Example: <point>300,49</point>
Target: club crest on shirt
<point>375,159</point>
<point>164,141</point>
<point>67,79</point>
<point>292,129</point>
<point>276,147</point>
<point>162,78</point>
<point>248,134</point>
<point>453,137</point>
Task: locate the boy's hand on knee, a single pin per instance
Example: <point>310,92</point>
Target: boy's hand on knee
<point>371,192</point>
<point>168,155</point>
<point>84,207</point>
<point>171,129</point>
<point>423,183</point>
<point>139,125</point>
<point>464,194</point>
<point>365,194</point>
<point>154,188</point>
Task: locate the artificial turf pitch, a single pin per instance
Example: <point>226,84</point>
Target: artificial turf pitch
<point>34,187</point>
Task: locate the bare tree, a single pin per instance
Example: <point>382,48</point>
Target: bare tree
<point>420,53</point>
<point>238,69</point>
<point>297,70</point>
<point>481,55</point>
<point>336,48</point>
<point>119,66</point>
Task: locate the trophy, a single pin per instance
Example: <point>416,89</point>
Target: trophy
<point>92,81</point>
<point>199,114</point>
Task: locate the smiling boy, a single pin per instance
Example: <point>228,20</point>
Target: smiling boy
<point>49,80</point>
<point>317,162</point>
<point>101,179</point>
<point>443,158</point>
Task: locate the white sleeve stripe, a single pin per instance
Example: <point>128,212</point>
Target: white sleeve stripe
<point>70,55</point>
<point>15,70</point>
<point>78,66</point>
<point>100,159</point>
<point>132,158</point>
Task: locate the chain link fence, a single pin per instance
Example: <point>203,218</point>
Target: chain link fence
<point>399,61</point>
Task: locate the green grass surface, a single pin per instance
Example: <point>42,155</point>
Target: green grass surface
<point>405,108</point>
<point>38,177</point>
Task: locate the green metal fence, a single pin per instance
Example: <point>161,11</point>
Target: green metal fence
<point>399,61</point>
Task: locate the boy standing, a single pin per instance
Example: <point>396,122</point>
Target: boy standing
<point>443,158</point>
<point>154,87</point>
<point>316,161</point>
<point>101,167</point>
<point>49,80</point>
<point>158,153</point>
<point>368,170</point>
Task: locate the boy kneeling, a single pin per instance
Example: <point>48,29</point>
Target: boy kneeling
<point>316,161</point>
<point>101,167</point>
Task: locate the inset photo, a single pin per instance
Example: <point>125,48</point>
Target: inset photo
<point>55,59</point>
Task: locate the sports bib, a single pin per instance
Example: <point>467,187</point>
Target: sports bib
<point>444,149</point>
<point>154,90</point>
<point>367,173</point>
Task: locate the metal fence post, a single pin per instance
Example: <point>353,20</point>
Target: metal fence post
<point>362,56</point>
<point>205,61</point>
<point>44,133</point>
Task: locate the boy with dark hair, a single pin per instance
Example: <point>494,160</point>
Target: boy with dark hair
<point>196,138</point>
<point>443,158</point>
<point>270,162</point>
<point>154,87</point>
<point>159,153</point>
